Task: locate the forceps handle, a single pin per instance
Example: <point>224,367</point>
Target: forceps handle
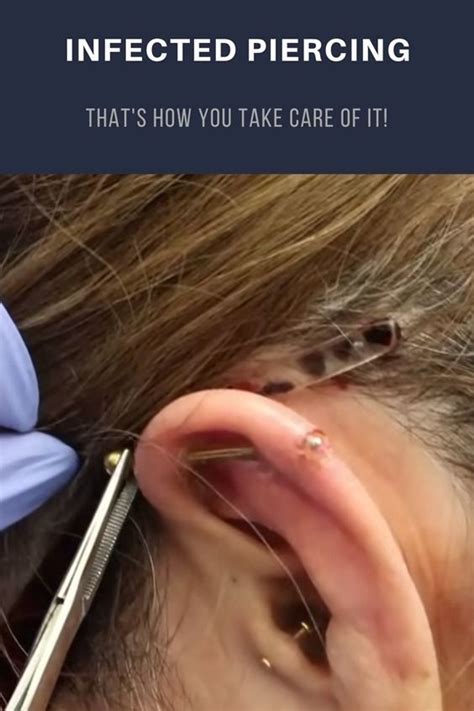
<point>71,602</point>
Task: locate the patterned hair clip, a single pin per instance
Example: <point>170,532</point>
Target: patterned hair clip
<point>276,372</point>
<point>352,349</point>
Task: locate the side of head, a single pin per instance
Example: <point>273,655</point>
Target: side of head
<point>132,291</point>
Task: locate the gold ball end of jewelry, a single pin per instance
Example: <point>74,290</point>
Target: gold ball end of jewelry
<point>110,461</point>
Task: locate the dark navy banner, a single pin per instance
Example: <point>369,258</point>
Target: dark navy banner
<point>261,86</point>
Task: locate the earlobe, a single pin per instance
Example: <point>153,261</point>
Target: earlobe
<point>378,642</point>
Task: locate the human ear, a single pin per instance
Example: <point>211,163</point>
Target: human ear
<point>332,542</point>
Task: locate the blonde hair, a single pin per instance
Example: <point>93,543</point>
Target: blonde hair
<point>131,290</point>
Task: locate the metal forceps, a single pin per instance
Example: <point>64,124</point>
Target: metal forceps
<point>74,597</point>
<point>76,592</point>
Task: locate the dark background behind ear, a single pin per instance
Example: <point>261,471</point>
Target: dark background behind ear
<point>430,102</point>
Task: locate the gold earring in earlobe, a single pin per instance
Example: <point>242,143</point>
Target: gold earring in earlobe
<point>304,629</point>
<point>310,638</point>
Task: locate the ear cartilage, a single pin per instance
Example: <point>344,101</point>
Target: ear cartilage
<point>336,356</point>
<point>352,349</point>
